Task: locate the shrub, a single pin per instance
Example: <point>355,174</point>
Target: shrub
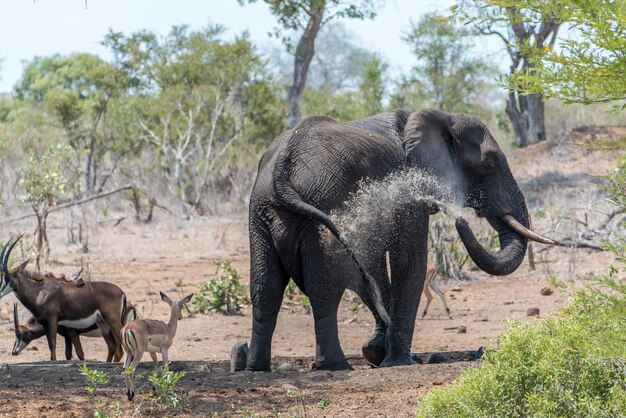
<point>223,293</point>
<point>163,385</point>
<point>569,365</point>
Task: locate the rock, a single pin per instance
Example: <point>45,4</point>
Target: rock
<point>461,329</point>
<point>285,367</point>
<point>532,312</point>
<point>287,386</point>
<point>33,348</point>
<point>508,302</point>
<point>4,367</point>
<point>456,289</point>
<point>238,356</point>
<point>546,291</point>
<point>150,292</point>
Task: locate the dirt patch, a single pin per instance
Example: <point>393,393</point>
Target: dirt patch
<point>25,389</point>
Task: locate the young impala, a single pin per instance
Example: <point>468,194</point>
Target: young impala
<point>429,283</point>
<point>149,335</point>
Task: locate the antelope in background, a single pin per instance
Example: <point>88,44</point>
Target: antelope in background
<point>58,302</point>
<point>151,335</point>
<point>25,334</point>
<point>429,282</point>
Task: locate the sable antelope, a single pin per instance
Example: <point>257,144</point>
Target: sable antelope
<point>149,335</point>
<point>25,334</point>
<point>58,302</point>
<point>429,282</point>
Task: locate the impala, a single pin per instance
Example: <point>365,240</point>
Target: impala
<point>58,302</point>
<point>25,334</point>
<point>149,335</point>
<point>429,282</point>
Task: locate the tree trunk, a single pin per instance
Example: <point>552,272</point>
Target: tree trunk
<point>527,117</point>
<point>303,57</point>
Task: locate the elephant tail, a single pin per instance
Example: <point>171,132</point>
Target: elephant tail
<point>291,200</point>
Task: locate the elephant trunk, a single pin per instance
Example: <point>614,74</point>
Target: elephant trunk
<point>512,247</point>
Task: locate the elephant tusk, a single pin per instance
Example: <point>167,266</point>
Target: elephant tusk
<point>525,232</point>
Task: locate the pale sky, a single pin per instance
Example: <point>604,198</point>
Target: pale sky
<point>46,27</point>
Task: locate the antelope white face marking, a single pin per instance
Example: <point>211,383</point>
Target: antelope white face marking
<point>18,347</point>
<point>5,288</point>
<point>81,323</point>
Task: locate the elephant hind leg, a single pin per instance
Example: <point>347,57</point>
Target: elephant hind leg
<point>328,352</point>
<point>374,349</point>
<point>268,280</point>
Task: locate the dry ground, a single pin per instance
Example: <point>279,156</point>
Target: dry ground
<point>143,259</point>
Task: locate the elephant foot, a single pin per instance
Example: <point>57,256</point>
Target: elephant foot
<point>374,351</point>
<point>333,366</point>
<point>253,368</point>
<point>401,361</point>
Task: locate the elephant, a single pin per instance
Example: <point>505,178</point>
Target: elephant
<point>313,169</point>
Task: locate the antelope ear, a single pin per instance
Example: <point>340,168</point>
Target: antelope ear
<point>186,299</point>
<point>166,299</point>
<point>22,267</point>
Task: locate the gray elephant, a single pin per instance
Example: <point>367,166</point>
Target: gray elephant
<point>314,169</point>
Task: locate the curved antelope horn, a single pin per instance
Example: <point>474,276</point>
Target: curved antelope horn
<point>4,249</point>
<point>5,260</point>
<point>16,320</point>
<point>525,232</point>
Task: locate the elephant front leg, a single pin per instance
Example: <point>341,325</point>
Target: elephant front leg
<point>408,270</point>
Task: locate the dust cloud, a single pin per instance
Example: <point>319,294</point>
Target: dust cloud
<point>367,217</point>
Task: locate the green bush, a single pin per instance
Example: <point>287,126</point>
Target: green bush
<point>569,365</point>
<point>223,293</point>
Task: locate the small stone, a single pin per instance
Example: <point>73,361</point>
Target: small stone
<point>456,289</point>
<point>285,367</point>
<point>238,356</point>
<point>33,348</point>
<point>532,312</point>
<point>508,302</point>
<point>461,329</point>
<point>546,291</point>
<point>150,292</point>
<point>4,367</point>
<point>287,386</point>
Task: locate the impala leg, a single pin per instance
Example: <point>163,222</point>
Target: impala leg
<point>165,363</point>
<point>442,296</point>
<point>127,363</point>
<point>136,358</point>
<point>429,298</point>
<point>155,361</point>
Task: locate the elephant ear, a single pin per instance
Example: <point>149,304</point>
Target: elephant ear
<point>429,142</point>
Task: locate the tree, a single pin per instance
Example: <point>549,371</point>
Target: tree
<point>363,100</point>
<point>522,30</point>
<point>447,76</point>
<point>587,67</point>
<point>309,16</point>
<point>47,179</point>
<point>197,96</point>
<point>79,89</point>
